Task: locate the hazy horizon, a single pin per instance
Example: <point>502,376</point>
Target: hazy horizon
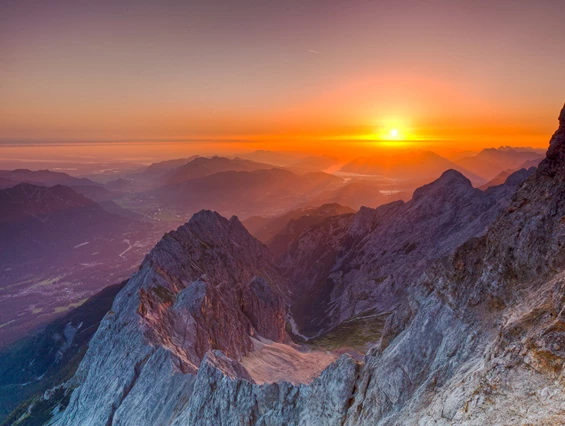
<point>439,74</point>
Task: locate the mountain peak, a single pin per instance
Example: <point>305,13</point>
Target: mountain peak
<point>206,230</point>
<point>554,163</point>
<point>519,176</point>
<point>559,135</point>
<point>211,222</point>
<point>453,175</point>
<point>206,216</point>
<point>446,183</point>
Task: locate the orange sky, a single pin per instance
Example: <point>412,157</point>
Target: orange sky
<point>328,76</point>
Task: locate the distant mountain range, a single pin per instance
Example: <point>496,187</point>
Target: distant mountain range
<point>276,158</point>
<point>259,192</point>
<point>10,178</point>
<point>38,222</point>
<point>314,163</point>
<point>362,193</point>
<point>417,166</point>
<point>161,168</point>
<point>57,247</point>
<point>279,232</point>
<point>202,166</point>
<point>491,161</point>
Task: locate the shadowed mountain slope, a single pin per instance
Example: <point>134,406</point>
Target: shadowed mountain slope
<point>349,265</point>
<point>247,193</point>
<point>35,220</point>
<point>202,166</point>
<point>491,161</point>
<point>44,178</point>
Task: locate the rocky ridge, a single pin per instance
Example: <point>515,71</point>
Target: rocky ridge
<point>493,352</point>
<point>166,319</point>
<point>350,265</point>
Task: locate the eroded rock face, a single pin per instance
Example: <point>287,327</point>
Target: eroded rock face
<point>482,342</point>
<point>349,265</point>
<point>220,399</point>
<point>207,286</point>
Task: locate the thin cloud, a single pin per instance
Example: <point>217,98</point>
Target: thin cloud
<point>218,110</point>
<point>313,51</point>
<point>227,109</point>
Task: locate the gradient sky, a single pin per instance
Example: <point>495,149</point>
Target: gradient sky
<point>282,74</point>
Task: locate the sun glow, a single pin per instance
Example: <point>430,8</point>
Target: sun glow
<point>393,139</point>
<point>393,129</point>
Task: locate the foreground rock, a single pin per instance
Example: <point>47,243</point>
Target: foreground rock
<point>207,286</point>
<point>482,342</point>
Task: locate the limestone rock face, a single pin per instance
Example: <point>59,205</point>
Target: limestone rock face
<point>349,265</point>
<point>219,398</point>
<point>482,342</point>
<point>207,286</point>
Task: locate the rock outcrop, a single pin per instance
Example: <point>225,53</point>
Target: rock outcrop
<point>207,286</point>
<point>482,342</point>
<point>349,265</point>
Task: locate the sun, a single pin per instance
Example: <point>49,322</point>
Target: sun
<point>393,134</point>
<point>391,131</point>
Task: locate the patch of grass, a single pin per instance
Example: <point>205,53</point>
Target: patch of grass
<point>206,245</point>
<point>37,411</point>
<point>357,333</point>
<point>164,294</point>
<point>60,309</point>
<point>48,281</point>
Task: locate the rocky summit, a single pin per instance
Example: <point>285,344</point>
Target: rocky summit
<point>471,285</point>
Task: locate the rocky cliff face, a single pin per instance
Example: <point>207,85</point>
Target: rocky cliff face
<point>477,338</point>
<point>347,266</point>
<point>209,285</point>
<point>481,342</point>
<point>278,245</point>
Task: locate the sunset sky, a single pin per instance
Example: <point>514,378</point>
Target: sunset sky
<point>281,74</point>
